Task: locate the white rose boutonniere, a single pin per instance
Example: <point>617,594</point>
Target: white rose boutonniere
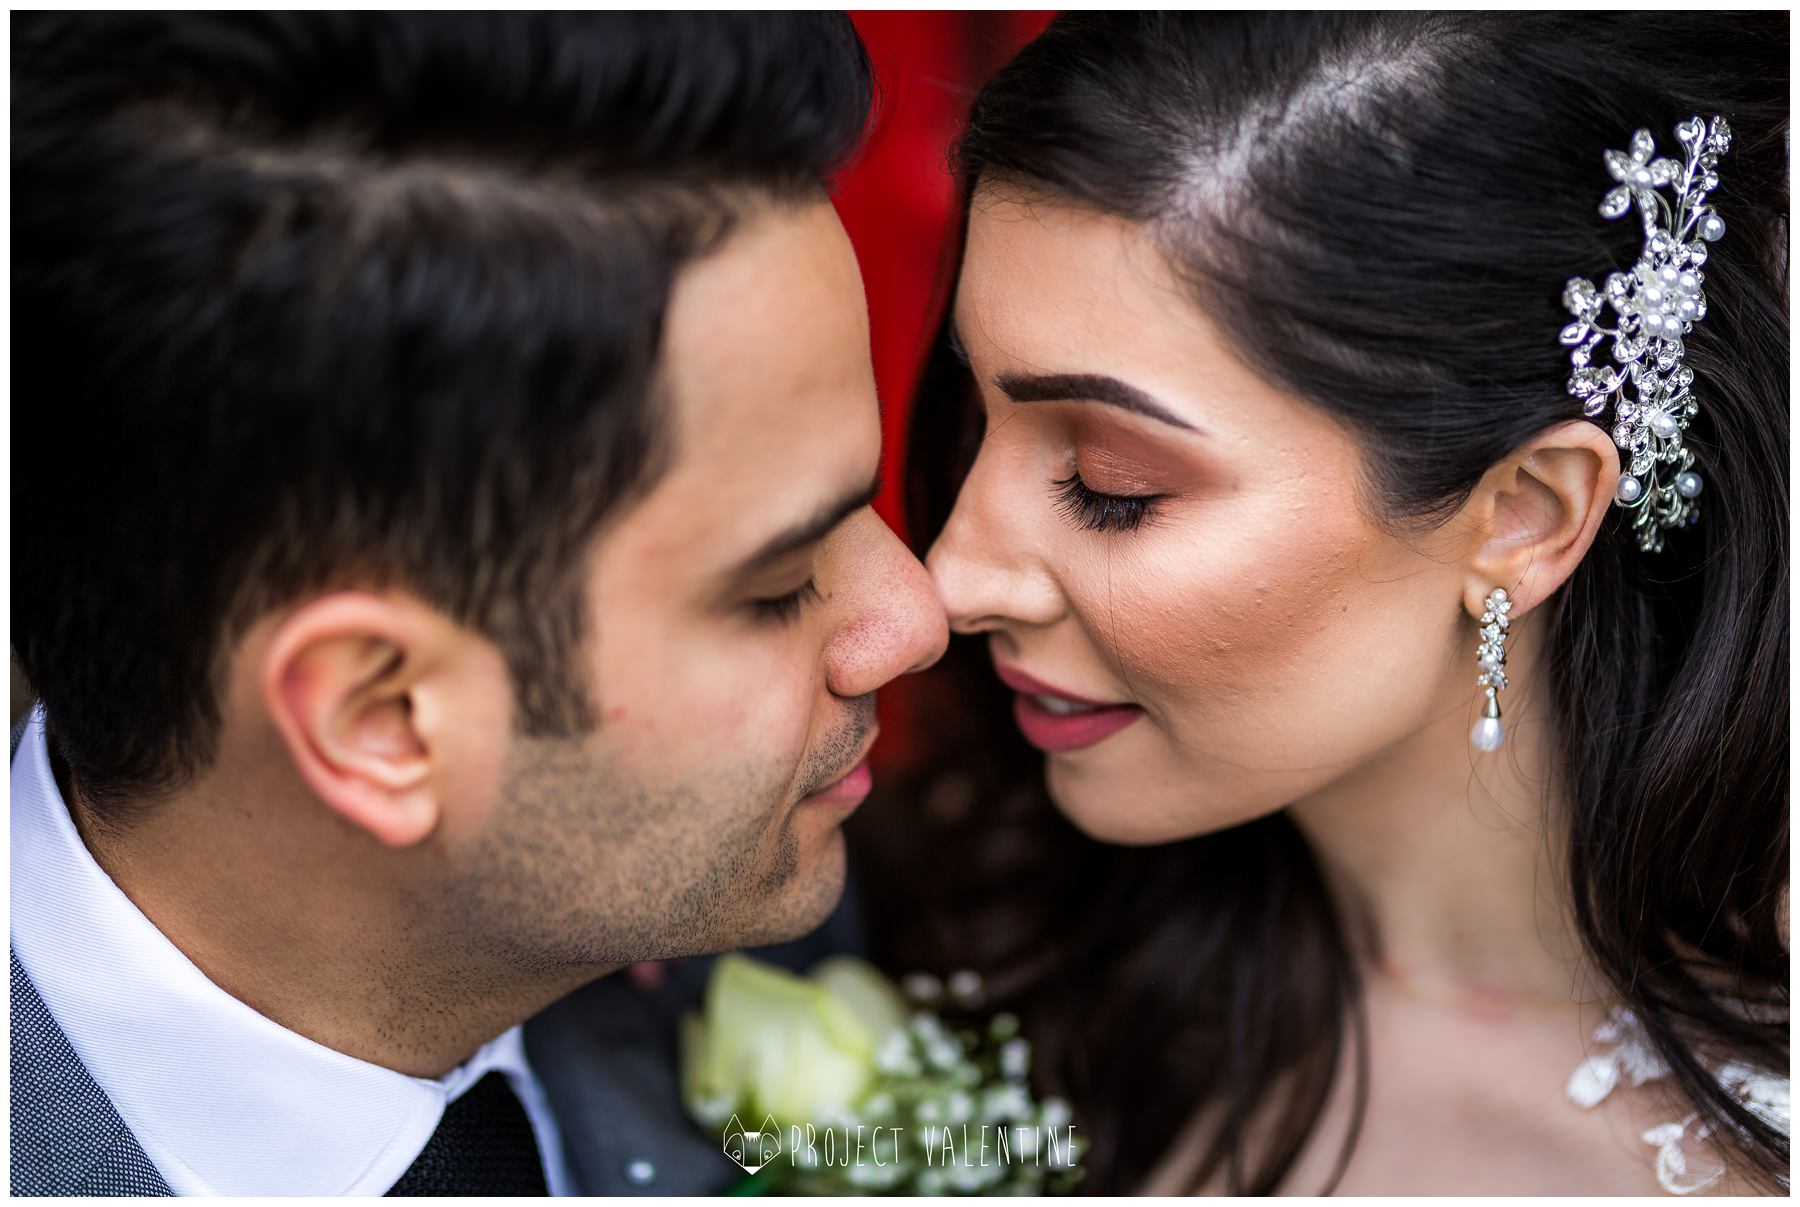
<point>833,1083</point>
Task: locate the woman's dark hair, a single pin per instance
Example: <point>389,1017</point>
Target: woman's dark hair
<point>1381,210</point>
<point>302,300</point>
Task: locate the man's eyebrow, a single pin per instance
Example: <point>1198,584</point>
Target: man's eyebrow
<point>1087,387</point>
<point>811,530</point>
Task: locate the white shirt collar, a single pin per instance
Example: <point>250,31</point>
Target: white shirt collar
<point>223,1100</point>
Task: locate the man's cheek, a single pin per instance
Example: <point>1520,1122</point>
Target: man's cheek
<point>766,705</point>
<point>725,697</point>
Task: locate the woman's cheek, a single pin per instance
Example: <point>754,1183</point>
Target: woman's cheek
<point>1214,621</point>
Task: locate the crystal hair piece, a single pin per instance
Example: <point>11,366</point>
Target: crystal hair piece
<point>1655,305</point>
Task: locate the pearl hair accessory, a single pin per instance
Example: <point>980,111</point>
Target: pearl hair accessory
<point>1491,654</point>
<point>1657,303</point>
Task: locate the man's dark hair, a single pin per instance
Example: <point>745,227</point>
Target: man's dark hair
<point>315,300</point>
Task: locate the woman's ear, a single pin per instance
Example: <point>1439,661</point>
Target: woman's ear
<point>362,687</point>
<point>1535,514</point>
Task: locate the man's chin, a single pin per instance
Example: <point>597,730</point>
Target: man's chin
<point>805,899</point>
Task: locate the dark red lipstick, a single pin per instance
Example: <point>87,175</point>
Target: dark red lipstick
<point>1054,720</point>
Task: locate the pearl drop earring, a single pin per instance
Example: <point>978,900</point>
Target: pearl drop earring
<point>1491,654</point>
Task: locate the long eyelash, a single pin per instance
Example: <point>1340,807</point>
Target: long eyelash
<point>1089,509</point>
<point>786,608</point>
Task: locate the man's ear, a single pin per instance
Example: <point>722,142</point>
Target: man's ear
<point>365,689</point>
<point>1536,513</point>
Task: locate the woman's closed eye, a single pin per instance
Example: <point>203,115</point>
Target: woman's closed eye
<point>1088,509</point>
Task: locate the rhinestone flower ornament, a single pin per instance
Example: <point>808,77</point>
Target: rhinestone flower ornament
<point>1655,306</point>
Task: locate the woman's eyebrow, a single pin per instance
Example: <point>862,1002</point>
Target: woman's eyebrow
<point>1088,387</point>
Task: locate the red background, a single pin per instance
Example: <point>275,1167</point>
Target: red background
<point>897,200</point>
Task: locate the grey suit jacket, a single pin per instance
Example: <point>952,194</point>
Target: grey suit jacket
<point>606,1055</point>
<point>66,1136</point>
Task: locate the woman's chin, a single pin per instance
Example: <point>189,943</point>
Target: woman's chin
<point>1121,814</point>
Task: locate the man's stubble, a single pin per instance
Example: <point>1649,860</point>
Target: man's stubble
<point>581,867</point>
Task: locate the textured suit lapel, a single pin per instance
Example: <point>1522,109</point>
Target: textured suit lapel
<point>66,1137</point>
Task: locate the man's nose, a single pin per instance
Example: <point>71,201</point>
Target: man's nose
<point>894,624</point>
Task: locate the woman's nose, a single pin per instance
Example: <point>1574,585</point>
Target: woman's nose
<point>987,564</point>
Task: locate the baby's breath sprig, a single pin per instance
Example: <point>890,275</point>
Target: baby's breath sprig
<point>949,1093</point>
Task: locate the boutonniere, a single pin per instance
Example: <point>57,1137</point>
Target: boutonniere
<point>835,1083</point>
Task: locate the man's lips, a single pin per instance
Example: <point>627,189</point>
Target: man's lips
<point>1054,719</point>
<point>849,789</point>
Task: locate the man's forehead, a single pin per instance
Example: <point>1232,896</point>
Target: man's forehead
<point>768,389</point>
<point>783,274</point>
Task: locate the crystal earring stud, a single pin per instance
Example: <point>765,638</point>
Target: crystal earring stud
<point>1491,655</point>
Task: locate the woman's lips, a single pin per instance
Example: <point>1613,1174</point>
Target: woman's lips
<point>1053,719</point>
<point>1053,731</point>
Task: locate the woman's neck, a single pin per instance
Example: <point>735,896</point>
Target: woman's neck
<point>1451,857</point>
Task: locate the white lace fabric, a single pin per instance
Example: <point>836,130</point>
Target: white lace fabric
<point>1685,1162</point>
